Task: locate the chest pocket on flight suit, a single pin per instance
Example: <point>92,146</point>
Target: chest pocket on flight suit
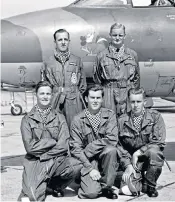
<point>72,80</point>
<point>126,135</point>
<point>106,69</point>
<point>88,135</point>
<point>73,74</point>
<point>131,64</point>
<point>102,132</point>
<point>37,130</point>
<point>147,132</point>
<point>53,129</point>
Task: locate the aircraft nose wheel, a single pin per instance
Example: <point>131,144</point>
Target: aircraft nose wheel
<point>16,110</point>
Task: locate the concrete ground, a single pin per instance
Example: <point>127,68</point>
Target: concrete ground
<point>12,152</point>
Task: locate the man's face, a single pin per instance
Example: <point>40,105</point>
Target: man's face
<point>117,37</point>
<point>62,42</point>
<point>44,96</point>
<point>94,101</point>
<point>137,103</point>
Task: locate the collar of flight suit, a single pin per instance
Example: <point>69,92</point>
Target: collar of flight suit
<point>71,61</point>
<point>34,114</point>
<point>127,54</point>
<point>147,120</point>
<point>104,117</point>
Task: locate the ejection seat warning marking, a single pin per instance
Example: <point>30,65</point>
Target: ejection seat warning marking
<point>171,17</point>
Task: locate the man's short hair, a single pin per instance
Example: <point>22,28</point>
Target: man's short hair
<point>117,26</point>
<point>136,91</point>
<point>60,31</point>
<point>95,87</point>
<point>41,84</point>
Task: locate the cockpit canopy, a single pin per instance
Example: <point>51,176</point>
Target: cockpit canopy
<point>118,3</point>
<point>94,3</point>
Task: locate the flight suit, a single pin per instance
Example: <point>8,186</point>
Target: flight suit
<point>150,141</point>
<point>69,84</point>
<point>97,151</point>
<point>117,77</point>
<point>46,158</point>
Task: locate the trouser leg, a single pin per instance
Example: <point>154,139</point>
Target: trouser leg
<point>35,180</point>
<point>89,188</point>
<point>109,101</point>
<point>108,165</point>
<point>21,196</point>
<point>72,107</point>
<point>63,174</point>
<point>155,162</point>
<point>118,178</point>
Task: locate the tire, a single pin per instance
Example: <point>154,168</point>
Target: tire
<point>17,111</point>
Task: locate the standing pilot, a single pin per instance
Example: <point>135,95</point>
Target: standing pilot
<point>65,72</point>
<point>117,70</point>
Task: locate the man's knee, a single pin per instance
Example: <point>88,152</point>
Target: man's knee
<point>37,194</point>
<point>74,167</point>
<point>153,152</point>
<point>110,150</point>
<point>89,188</point>
<point>90,192</point>
<point>155,156</point>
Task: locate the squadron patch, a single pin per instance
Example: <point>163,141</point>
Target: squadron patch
<point>74,78</point>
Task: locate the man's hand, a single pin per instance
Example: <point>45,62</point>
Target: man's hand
<point>95,175</point>
<point>129,170</point>
<point>135,159</point>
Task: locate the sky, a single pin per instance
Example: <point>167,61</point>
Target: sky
<point>16,7</point>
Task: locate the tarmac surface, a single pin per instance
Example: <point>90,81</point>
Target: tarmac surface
<point>12,153</point>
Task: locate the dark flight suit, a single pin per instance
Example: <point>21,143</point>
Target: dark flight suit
<point>46,158</point>
<point>97,151</point>
<point>69,84</point>
<point>150,141</point>
<point>117,77</point>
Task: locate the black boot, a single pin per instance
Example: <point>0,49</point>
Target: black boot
<point>152,192</point>
<point>54,192</point>
<point>110,192</point>
<point>144,188</point>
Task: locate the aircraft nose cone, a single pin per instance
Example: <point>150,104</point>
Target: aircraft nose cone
<point>19,44</point>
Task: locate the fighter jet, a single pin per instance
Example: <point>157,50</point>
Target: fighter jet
<point>27,40</point>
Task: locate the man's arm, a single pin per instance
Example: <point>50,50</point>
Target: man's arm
<point>35,147</point>
<point>76,144</point>
<point>136,79</point>
<point>82,83</point>
<point>61,147</point>
<point>124,156</point>
<point>97,70</point>
<point>111,138</point>
<point>48,74</point>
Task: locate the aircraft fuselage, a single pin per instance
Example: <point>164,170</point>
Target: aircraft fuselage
<point>27,41</point>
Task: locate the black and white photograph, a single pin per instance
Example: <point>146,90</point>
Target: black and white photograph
<point>87,100</point>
